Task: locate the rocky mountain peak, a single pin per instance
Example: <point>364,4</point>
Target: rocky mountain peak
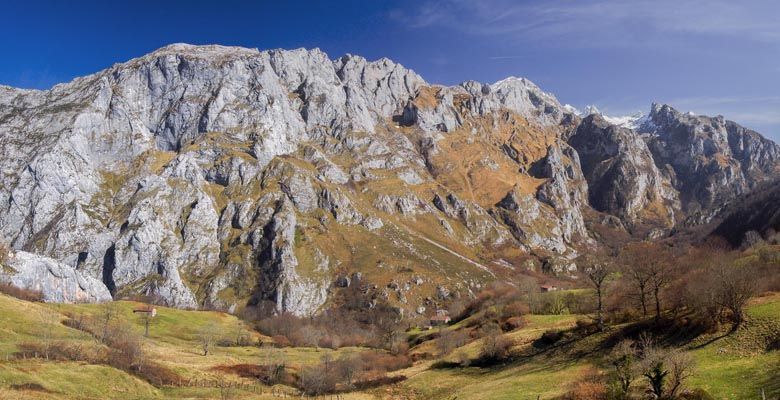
<point>228,177</point>
<point>713,159</point>
<point>622,176</point>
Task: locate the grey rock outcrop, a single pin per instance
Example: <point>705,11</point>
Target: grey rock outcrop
<point>623,179</point>
<point>566,189</point>
<point>712,159</point>
<point>57,282</point>
<point>445,108</point>
<point>280,282</point>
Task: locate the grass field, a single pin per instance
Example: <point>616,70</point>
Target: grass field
<point>728,365</point>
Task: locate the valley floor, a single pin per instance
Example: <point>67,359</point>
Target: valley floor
<point>729,365</point>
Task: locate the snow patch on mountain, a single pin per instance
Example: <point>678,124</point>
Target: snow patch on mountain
<point>633,121</point>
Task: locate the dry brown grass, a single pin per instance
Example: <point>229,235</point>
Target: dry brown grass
<point>474,166</point>
<point>427,97</point>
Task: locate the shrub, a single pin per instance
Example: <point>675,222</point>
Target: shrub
<point>359,371</point>
<point>347,367</point>
<point>269,374</point>
<point>4,251</point>
<point>588,390</point>
<point>463,359</point>
<point>379,381</point>
<point>280,341</point>
<point>157,374</point>
<point>495,349</point>
<point>550,337</point>
<point>515,309</point>
<point>696,394</point>
<point>665,371</point>
<point>350,322</point>
<point>496,293</point>
<point>399,346</point>
<point>586,327</point>
<point>33,387</point>
<point>126,352</point>
<point>329,342</point>
<point>60,351</point>
<point>317,381</point>
<point>384,362</point>
<point>512,323</point>
<point>21,294</point>
<point>450,340</point>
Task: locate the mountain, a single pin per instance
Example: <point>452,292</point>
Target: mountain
<point>221,177</point>
<point>622,175</point>
<point>709,159</point>
<point>752,217</point>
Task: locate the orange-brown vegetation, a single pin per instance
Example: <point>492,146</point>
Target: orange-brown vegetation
<point>357,318</point>
<point>19,293</point>
<point>474,166</point>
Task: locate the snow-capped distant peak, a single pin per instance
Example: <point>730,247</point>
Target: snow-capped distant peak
<point>633,121</point>
<point>570,108</point>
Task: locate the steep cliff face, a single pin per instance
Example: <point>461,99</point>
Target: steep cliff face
<point>56,282</point>
<point>220,176</point>
<point>621,173</point>
<point>751,218</point>
<point>708,159</point>
<point>121,163</point>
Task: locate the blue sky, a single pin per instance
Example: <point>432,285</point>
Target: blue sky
<point>710,57</point>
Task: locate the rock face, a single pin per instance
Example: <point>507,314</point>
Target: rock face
<point>446,108</point>
<point>566,189</point>
<point>57,282</point>
<point>228,177</point>
<point>621,173</point>
<point>710,159</point>
<point>755,214</point>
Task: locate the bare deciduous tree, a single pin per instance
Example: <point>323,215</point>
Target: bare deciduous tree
<point>49,320</point>
<point>680,366</point>
<point>648,267</point>
<point>108,312</point>
<point>735,285</point>
<point>275,362</point>
<point>496,347</point>
<point>660,276</point>
<point>346,367</point>
<point>126,349</point>
<point>635,259</point>
<point>207,336</point>
<point>598,270</point>
<point>665,370</point>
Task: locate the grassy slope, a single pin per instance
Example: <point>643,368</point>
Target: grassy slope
<point>734,366</point>
<point>729,367</point>
<point>172,341</point>
<point>523,379</point>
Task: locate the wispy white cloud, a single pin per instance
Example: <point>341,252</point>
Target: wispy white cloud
<point>601,22</point>
<point>761,113</point>
<point>725,100</point>
<point>757,118</point>
<point>505,57</point>
<point>689,29</point>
